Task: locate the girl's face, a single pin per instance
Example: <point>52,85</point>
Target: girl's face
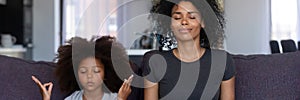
<point>186,21</point>
<point>91,73</point>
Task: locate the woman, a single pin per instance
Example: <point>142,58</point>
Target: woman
<point>191,70</point>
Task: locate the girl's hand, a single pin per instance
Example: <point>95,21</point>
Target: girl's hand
<point>43,88</point>
<point>125,89</point>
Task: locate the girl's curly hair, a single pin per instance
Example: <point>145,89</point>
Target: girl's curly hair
<point>77,49</point>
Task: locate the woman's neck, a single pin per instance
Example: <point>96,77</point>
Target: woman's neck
<point>93,95</point>
<point>189,51</point>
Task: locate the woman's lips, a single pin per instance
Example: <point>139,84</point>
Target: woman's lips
<point>185,30</point>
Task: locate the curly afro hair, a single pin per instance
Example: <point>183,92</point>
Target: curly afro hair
<point>164,10</point>
<point>70,55</point>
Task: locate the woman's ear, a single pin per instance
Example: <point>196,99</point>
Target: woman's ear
<point>202,23</point>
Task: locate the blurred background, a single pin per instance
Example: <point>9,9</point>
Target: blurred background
<point>41,26</point>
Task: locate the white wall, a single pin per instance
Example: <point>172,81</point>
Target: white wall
<point>135,20</point>
<point>247,31</point>
<point>248,26</point>
<point>45,29</point>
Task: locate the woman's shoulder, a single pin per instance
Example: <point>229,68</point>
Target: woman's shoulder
<point>151,52</point>
<point>219,51</point>
<point>157,52</point>
<point>77,95</point>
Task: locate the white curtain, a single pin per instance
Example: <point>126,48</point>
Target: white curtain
<point>284,19</point>
<point>88,18</point>
<point>123,19</point>
<point>298,22</point>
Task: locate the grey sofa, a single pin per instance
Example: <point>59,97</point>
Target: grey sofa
<point>16,83</point>
<point>265,76</point>
<point>268,77</point>
<point>259,77</point>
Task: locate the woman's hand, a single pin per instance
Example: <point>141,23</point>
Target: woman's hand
<point>125,89</point>
<point>43,88</point>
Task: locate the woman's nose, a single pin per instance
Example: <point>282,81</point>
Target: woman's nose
<point>184,22</point>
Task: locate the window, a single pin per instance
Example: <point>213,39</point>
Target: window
<point>87,18</point>
<point>285,19</point>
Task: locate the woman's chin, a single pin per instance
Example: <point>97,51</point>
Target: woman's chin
<point>185,37</point>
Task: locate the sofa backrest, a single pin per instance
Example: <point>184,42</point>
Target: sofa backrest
<point>16,82</point>
<point>268,77</point>
<point>264,77</point>
<point>259,77</point>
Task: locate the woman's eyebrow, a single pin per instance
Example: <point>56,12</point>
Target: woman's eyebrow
<point>191,12</point>
<point>176,13</point>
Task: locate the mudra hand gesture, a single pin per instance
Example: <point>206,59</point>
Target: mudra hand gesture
<point>46,92</point>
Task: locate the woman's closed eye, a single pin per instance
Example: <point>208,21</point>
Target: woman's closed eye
<point>177,18</point>
<point>192,17</point>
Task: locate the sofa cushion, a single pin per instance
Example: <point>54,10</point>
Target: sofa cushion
<point>16,82</point>
<point>268,77</point>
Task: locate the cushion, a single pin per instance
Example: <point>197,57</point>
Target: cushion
<point>16,82</point>
<point>268,77</point>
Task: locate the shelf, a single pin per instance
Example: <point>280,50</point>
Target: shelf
<point>137,51</point>
<point>15,48</point>
<point>15,51</point>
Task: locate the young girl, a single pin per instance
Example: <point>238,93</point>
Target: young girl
<point>90,64</point>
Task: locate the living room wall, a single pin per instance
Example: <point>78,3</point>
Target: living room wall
<point>45,29</point>
<point>247,31</point>
<point>46,26</point>
<point>248,26</point>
